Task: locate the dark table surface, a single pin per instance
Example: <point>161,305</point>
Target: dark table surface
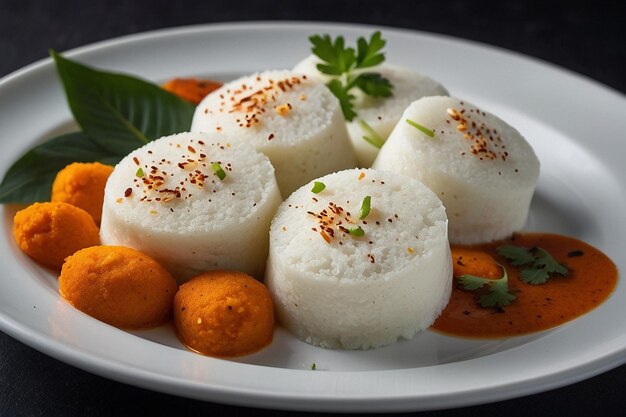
<point>589,39</point>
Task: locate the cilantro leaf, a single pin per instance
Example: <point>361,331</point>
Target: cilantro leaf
<point>338,59</point>
<point>345,99</point>
<point>367,55</point>
<point>544,259</point>
<point>542,264</point>
<point>471,282</point>
<point>517,255</point>
<point>498,295</point>
<point>534,276</point>
<point>374,84</point>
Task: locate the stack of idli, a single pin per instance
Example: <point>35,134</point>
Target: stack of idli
<point>361,263</point>
<point>378,113</point>
<point>194,203</point>
<point>293,119</point>
<point>482,169</point>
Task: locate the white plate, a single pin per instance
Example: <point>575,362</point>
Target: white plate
<point>576,126</point>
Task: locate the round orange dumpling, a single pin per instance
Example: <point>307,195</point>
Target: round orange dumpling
<point>119,286</point>
<point>474,262</point>
<point>82,185</point>
<point>50,232</point>
<point>224,313</point>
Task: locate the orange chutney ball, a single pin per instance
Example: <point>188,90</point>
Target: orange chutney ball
<point>50,232</point>
<point>191,89</point>
<point>119,286</point>
<point>82,185</point>
<point>474,262</point>
<point>224,313</point>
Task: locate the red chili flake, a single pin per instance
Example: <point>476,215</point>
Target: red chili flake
<point>270,137</point>
<point>191,149</point>
<point>128,192</point>
<point>136,160</point>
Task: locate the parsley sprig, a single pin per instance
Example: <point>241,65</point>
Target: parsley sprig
<point>341,62</point>
<point>540,263</point>
<point>498,296</point>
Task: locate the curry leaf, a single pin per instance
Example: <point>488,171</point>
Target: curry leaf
<point>111,105</point>
<point>30,178</point>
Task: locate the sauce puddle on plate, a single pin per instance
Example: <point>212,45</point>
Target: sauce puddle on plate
<point>591,279</point>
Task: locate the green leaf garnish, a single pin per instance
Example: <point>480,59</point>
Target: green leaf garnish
<point>356,231</point>
<point>372,137</point>
<point>340,62</point>
<point>498,295</point>
<point>365,207</point>
<point>424,130</point>
<point>30,178</point>
<point>534,276</point>
<point>517,255</point>
<point>551,265</point>
<point>374,84</point>
<point>218,170</point>
<point>318,187</point>
<point>313,366</point>
<point>118,113</point>
<point>139,173</point>
<point>345,98</point>
<point>118,105</point>
<point>368,52</point>
<point>338,59</point>
<point>541,263</point>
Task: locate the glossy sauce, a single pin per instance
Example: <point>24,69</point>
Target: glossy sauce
<point>591,279</point>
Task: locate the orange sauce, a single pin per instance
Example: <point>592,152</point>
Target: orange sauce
<point>191,89</point>
<point>591,279</point>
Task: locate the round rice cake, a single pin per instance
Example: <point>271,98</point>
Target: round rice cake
<point>339,281</point>
<point>482,169</point>
<point>293,119</point>
<point>194,204</point>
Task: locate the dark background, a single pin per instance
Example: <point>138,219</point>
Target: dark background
<point>586,38</point>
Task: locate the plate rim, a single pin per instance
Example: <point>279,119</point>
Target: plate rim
<point>100,366</point>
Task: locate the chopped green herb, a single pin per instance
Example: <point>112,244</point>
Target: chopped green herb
<point>540,264</point>
<point>373,84</point>
<point>340,62</point>
<point>365,207</point>
<point>313,366</point>
<point>139,172</point>
<point>371,137</point>
<point>357,231</point>
<point>498,295</point>
<point>423,129</point>
<point>345,98</point>
<point>318,187</point>
<point>218,170</point>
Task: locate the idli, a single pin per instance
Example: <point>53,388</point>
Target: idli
<point>293,119</point>
<point>359,259</point>
<point>194,204</point>
<point>482,169</point>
